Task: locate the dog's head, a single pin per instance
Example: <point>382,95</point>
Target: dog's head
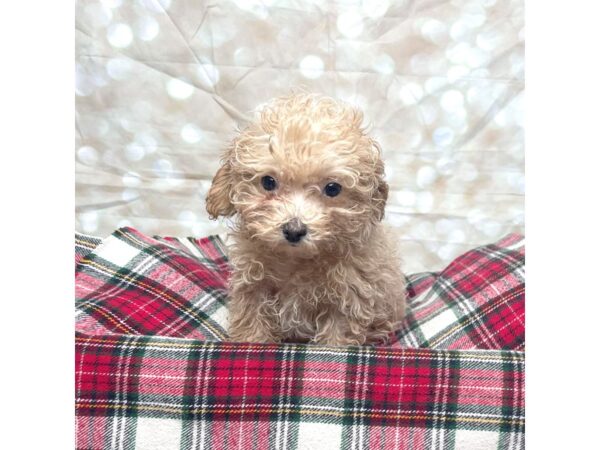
<point>303,179</point>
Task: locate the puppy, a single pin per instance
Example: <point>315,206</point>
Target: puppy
<point>311,260</point>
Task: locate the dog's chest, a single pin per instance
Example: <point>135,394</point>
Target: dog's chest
<point>303,300</point>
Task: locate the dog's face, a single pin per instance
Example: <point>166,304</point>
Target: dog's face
<point>303,180</point>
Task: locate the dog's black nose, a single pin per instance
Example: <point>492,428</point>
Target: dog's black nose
<point>294,230</point>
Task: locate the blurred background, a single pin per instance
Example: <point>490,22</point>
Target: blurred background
<point>162,84</point>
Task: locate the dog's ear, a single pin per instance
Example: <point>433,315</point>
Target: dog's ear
<point>218,202</point>
<point>380,195</point>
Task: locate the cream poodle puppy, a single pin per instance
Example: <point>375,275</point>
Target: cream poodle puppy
<point>311,260</point>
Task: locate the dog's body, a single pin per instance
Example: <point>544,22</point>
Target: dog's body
<point>311,260</point>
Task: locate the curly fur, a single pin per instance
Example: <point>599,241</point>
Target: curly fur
<point>342,283</point>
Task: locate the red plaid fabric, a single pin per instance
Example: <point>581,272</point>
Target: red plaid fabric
<point>477,302</point>
<point>154,370</point>
<point>135,284</point>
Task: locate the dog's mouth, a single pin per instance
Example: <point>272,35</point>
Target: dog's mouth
<point>303,243</point>
<point>304,248</point>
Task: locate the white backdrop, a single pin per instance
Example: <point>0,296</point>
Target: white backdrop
<point>162,84</point>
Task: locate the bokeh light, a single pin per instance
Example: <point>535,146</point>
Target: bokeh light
<point>350,24</point>
<point>179,89</point>
<point>119,35</point>
<point>312,66</point>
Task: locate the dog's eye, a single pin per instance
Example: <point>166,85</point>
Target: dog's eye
<point>332,189</point>
<point>268,183</point>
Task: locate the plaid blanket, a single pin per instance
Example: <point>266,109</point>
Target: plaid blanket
<point>154,369</point>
